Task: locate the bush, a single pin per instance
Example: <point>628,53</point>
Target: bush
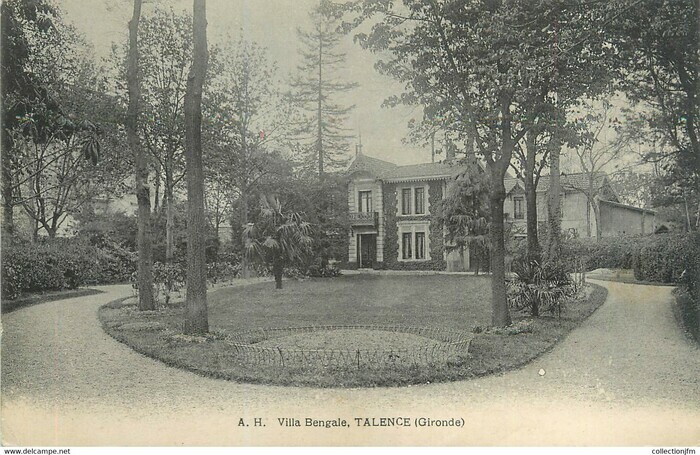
<point>660,258</point>
<point>689,312</point>
<point>327,271</point>
<point>539,287</point>
<point>51,265</point>
<point>667,258</point>
<point>294,272</point>
<point>46,266</point>
<point>167,278</point>
<point>115,264</point>
<point>221,271</point>
<point>609,253</point>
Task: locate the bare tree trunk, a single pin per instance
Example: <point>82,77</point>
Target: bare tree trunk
<point>8,220</point>
<point>277,271</point>
<point>196,316</point>
<point>245,266</point>
<point>169,219</point>
<point>145,274</point>
<point>596,215</point>
<point>588,217</point>
<point>500,316</point>
<point>533,243</point>
<point>320,109</point>
<point>156,190</point>
<point>554,204</point>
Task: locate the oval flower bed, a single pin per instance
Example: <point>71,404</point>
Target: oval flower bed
<point>386,347</point>
<point>350,346</point>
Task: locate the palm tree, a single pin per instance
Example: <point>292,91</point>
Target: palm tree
<point>278,239</point>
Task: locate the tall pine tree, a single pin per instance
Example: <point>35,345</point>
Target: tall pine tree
<point>319,129</point>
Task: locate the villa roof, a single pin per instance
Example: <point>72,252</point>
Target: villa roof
<point>391,172</point>
<point>374,166</point>
<point>422,171</point>
<point>629,207</point>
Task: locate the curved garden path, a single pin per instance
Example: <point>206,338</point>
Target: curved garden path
<point>627,376</point>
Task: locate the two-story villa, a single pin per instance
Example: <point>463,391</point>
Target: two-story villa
<point>391,214</point>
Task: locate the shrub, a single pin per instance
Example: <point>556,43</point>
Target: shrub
<point>660,257</point>
<point>539,286</point>
<point>115,264</point>
<point>667,258</point>
<point>220,271</point>
<point>294,272</point>
<point>327,271</point>
<point>167,278</point>
<point>608,253</point>
<point>689,312</point>
<point>45,266</point>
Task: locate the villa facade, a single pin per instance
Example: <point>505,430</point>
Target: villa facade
<point>391,212</point>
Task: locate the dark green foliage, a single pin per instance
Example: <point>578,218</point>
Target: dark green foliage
<point>317,267</point>
<point>44,266</point>
<point>167,278</point>
<point>62,264</point>
<point>99,229</point>
<point>667,258</point>
<point>219,271</point>
<point>115,264</point>
<point>464,213</point>
<point>663,258</point>
<point>609,253</point>
<point>689,310</point>
<point>327,271</point>
<point>279,238</point>
<point>540,286</point>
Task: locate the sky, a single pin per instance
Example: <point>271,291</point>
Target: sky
<point>273,24</point>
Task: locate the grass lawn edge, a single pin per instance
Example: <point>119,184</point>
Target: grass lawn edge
<point>679,295</point>
<point>8,306</point>
<point>596,299</point>
<point>600,299</point>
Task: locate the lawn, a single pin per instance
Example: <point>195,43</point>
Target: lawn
<point>460,303</point>
<point>442,301</point>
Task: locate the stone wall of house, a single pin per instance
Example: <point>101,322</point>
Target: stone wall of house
<point>392,219</point>
<point>573,213</point>
<point>615,220</point>
<point>618,221</point>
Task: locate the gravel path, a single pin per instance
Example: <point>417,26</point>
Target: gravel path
<point>627,376</point>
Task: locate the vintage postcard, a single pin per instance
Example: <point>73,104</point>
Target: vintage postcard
<point>444,223</point>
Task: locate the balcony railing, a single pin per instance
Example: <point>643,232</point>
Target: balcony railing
<point>363,218</point>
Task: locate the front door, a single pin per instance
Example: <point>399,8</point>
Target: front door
<point>366,250</point>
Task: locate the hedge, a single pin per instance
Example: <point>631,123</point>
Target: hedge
<point>667,258</point>
<point>662,258</point>
<point>609,253</point>
<point>61,264</point>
